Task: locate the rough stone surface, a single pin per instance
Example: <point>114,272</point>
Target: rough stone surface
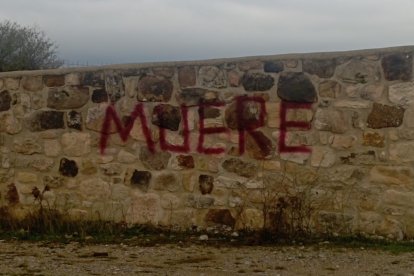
<point>259,146</point>
<point>373,139</point>
<point>322,157</point>
<point>382,116</point>
<point>140,179</point>
<point>27,146</point>
<point>240,167</point>
<point>166,116</point>
<point>9,123</point>
<point>391,175</point>
<point>296,87</point>
<point>185,161</point>
<point>359,71</point>
<point>273,66</point>
<point>100,96</point>
<point>329,89</point>
<point>220,217</point>
<point>154,89</point>
<point>144,209</point>
<point>234,78</point>
<point>54,80</point>
<point>257,82</point>
<point>74,120</point>
<point>323,68</point>
<point>166,182</point>
<point>5,100</point>
<point>67,97</point>
<point>402,151</point>
<point>331,120</point>
<point>76,144</point>
<point>194,96</point>
<point>402,93</point>
<point>397,66</point>
<point>206,184</point>
<point>68,167</point>
<point>249,113</point>
<point>44,120</point>
<point>212,76</point>
<point>186,76</point>
<point>32,83</point>
<point>154,161</point>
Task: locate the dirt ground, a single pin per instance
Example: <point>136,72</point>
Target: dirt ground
<point>40,258</point>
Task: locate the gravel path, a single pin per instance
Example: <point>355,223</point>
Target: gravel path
<point>27,258</point>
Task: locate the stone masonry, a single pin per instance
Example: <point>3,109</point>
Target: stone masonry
<point>204,143</point>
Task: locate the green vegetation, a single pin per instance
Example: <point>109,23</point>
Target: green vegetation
<point>26,48</point>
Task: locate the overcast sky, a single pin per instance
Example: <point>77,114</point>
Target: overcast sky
<point>123,31</point>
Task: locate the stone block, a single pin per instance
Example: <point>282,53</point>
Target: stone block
<point>257,82</point>
<point>144,209</point>
<point>186,76</point>
<point>76,143</point>
<point>397,66</point>
<point>296,87</point>
<point>67,97</point>
<point>322,157</point>
<point>154,89</point>
<point>34,83</point>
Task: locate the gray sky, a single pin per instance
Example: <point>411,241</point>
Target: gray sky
<point>122,31</point>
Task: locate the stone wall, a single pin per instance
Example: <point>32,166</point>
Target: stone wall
<point>216,142</point>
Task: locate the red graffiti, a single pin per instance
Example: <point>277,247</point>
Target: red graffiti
<point>249,124</point>
<point>210,130</point>
<point>284,125</point>
<point>246,124</point>
<point>111,115</point>
<point>185,147</point>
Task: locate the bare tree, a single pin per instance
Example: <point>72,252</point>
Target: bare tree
<point>26,48</point>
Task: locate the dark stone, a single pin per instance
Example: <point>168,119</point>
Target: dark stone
<point>194,96</point>
<point>99,96</point>
<point>166,116</point>
<point>68,167</point>
<point>323,68</point>
<point>239,167</point>
<point>5,100</point>
<point>250,115</point>
<point>210,112</point>
<point>397,66</point>
<point>366,158</point>
<point>185,161</point>
<point>12,195</point>
<point>206,184</point>
<point>74,120</point>
<point>186,76</point>
<point>93,79</point>
<point>54,80</point>
<point>44,120</point>
<point>257,82</point>
<point>67,97</point>
<point>383,116</point>
<point>141,179</point>
<point>296,87</point>
<point>154,89</point>
<point>259,146</point>
<point>154,161</point>
<point>220,216</point>
<point>273,66</point>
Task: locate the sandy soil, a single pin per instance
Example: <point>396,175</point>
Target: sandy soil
<point>29,258</point>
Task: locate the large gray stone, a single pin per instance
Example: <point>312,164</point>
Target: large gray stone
<point>397,66</point>
<point>296,87</point>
